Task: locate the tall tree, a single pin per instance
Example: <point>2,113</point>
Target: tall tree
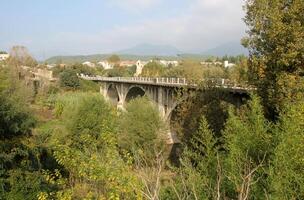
<point>288,165</point>
<point>248,141</point>
<point>19,55</point>
<point>276,42</point>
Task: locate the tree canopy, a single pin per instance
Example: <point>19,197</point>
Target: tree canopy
<point>276,41</point>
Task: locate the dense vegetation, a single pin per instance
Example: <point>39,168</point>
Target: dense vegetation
<point>64,141</point>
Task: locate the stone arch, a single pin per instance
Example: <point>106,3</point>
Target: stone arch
<point>134,92</point>
<point>112,94</point>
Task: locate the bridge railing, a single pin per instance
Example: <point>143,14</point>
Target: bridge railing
<point>179,81</point>
<point>226,83</point>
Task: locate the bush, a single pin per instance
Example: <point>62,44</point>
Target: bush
<point>14,120</point>
<point>68,79</point>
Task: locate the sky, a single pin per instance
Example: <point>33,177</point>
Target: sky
<point>74,27</point>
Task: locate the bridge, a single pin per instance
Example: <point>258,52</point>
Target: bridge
<point>162,91</point>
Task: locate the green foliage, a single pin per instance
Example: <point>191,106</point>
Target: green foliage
<point>114,59</point>
<point>24,185</point>
<point>88,151</point>
<point>89,86</point>
<point>14,120</point>
<point>153,69</point>
<point>119,71</point>
<point>141,127</point>
<point>199,165</point>
<point>276,42</point>
<point>69,79</point>
<point>288,165</point>
<point>248,141</point>
<point>191,70</point>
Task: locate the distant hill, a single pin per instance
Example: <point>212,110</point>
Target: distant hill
<point>76,59</point>
<point>148,52</point>
<point>149,49</point>
<point>231,49</point>
<point>99,57</point>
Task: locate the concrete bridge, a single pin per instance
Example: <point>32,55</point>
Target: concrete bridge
<point>162,91</point>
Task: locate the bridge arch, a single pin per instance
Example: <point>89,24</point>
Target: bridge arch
<point>134,92</point>
<point>112,94</point>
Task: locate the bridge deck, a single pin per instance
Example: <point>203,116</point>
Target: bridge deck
<point>170,82</point>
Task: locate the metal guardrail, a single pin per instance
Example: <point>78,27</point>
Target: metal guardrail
<point>225,83</point>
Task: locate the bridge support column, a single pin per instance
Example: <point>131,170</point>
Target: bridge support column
<point>160,102</point>
<point>104,90</point>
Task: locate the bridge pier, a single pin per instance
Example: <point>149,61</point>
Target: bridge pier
<point>160,102</point>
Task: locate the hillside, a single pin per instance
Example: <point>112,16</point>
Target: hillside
<point>231,49</point>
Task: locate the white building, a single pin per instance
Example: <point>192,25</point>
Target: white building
<point>89,64</point>
<point>227,64</point>
<point>105,64</point>
<point>4,56</point>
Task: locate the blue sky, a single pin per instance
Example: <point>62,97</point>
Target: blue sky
<point>66,27</point>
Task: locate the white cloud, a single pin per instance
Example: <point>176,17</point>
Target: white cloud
<point>203,25</point>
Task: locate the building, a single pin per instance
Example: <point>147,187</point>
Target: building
<point>227,64</point>
<point>89,64</point>
<point>105,64</point>
<point>127,63</point>
<point>212,63</point>
<point>50,66</point>
<point>167,63</point>
<point>4,56</point>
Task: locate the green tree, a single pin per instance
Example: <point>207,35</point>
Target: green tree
<point>68,79</point>
<point>20,164</point>
<point>141,127</point>
<point>200,173</point>
<point>276,42</point>
<point>288,165</point>
<point>88,151</point>
<point>248,142</point>
<point>153,69</point>
<point>119,71</point>
<point>114,59</point>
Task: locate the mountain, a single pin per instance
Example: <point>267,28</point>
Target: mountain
<point>99,57</point>
<point>230,49</point>
<point>152,50</point>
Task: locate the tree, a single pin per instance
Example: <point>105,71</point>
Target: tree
<point>68,79</point>
<point>119,71</point>
<point>19,55</point>
<point>200,174</point>
<point>114,59</point>
<point>87,148</point>
<point>14,120</point>
<point>275,42</point>
<point>141,128</point>
<point>153,69</point>
<point>287,177</point>
<point>248,142</point>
